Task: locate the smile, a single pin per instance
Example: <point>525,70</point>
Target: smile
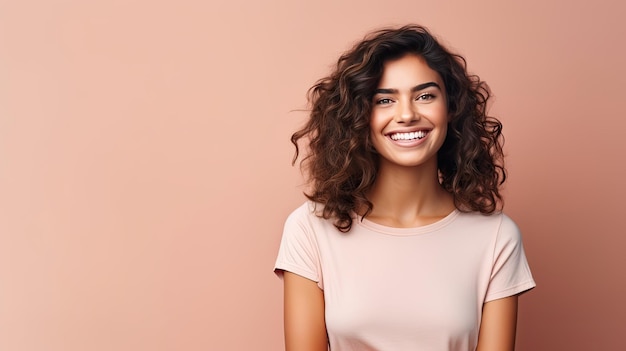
<point>408,136</point>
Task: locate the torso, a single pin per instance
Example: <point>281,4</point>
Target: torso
<point>400,289</point>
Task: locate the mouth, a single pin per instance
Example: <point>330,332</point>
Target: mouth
<point>417,135</point>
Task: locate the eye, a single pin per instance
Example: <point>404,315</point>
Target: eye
<point>383,101</point>
<point>426,97</point>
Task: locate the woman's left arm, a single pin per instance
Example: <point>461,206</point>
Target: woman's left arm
<point>497,328</point>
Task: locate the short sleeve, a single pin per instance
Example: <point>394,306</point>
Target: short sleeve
<point>510,274</point>
<point>298,252</point>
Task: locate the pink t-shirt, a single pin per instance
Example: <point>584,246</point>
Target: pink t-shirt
<point>397,289</point>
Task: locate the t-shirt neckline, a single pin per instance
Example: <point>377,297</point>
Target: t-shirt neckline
<point>429,228</point>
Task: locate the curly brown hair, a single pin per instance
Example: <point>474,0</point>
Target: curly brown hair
<point>341,162</point>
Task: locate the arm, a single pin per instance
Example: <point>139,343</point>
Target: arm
<point>305,326</point>
<point>497,328</point>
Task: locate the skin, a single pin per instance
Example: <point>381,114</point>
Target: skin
<point>407,191</point>
<point>410,97</point>
<point>498,325</point>
<point>305,327</point>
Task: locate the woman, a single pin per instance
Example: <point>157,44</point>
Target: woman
<point>401,246</point>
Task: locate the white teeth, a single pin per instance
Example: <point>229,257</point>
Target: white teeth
<point>408,136</point>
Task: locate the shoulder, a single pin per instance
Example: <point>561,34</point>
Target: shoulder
<point>509,237</point>
<point>508,228</point>
<point>307,218</point>
<point>493,227</point>
<point>299,250</point>
<point>307,212</point>
<point>497,220</point>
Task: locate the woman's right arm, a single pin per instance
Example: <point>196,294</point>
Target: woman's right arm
<point>305,326</point>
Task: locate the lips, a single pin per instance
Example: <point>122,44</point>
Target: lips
<point>408,136</point>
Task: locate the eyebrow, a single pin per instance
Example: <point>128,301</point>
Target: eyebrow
<point>414,89</point>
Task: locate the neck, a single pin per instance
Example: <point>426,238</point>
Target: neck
<point>408,196</point>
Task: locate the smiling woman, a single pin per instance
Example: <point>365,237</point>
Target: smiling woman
<point>409,117</point>
<point>401,246</point>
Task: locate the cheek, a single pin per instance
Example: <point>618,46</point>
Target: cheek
<point>442,137</point>
<point>374,138</point>
<point>374,120</point>
<point>371,144</point>
<point>379,119</point>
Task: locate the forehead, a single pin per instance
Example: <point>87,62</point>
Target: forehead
<point>406,72</point>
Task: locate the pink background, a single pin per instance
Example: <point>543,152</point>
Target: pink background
<point>145,163</point>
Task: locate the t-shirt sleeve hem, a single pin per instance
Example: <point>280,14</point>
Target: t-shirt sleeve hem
<point>518,289</point>
<point>303,272</point>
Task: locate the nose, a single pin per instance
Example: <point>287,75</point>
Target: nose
<point>406,112</point>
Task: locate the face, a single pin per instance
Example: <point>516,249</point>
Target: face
<point>409,113</point>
